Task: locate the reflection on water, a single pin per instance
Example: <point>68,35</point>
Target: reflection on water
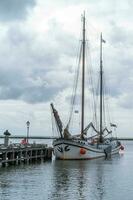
<point>69,180</point>
<point>80,179</point>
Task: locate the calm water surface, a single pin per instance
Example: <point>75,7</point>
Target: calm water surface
<point>76,180</point>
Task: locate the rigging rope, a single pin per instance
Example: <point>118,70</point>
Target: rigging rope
<point>91,83</point>
<point>104,114</point>
<point>74,89</point>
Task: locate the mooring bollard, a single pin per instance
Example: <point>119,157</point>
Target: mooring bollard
<point>6,138</point>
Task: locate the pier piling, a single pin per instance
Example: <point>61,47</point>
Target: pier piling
<point>17,153</point>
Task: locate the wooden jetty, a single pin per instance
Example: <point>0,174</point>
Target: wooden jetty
<point>18,153</point>
<point>12,154</point>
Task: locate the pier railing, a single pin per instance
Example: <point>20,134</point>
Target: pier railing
<point>30,137</point>
<point>52,137</point>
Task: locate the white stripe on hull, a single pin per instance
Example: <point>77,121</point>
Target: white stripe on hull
<point>67,150</point>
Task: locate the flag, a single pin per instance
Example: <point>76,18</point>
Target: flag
<point>76,111</point>
<point>103,41</point>
<point>113,125</point>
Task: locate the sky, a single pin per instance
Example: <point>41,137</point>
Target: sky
<point>38,51</point>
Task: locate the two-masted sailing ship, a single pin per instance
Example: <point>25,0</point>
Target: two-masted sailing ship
<point>102,143</point>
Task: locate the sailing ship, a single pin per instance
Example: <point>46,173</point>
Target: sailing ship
<point>76,147</point>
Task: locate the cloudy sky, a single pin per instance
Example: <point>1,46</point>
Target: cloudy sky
<point>38,49</point>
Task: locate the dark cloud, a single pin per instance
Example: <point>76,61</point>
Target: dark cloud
<point>14,9</point>
<point>16,84</point>
<point>35,70</point>
<point>31,69</point>
<point>38,94</point>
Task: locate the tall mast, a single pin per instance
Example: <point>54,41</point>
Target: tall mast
<point>101,89</point>
<point>83,78</point>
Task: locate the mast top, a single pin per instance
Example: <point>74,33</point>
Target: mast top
<point>83,15</point>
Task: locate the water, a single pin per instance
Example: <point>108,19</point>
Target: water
<point>75,180</point>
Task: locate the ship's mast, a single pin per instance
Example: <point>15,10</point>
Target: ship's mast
<point>83,78</point>
<point>101,89</point>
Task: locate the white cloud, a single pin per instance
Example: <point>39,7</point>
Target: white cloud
<point>38,54</point>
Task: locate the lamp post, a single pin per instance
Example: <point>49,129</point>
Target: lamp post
<point>28,126</point>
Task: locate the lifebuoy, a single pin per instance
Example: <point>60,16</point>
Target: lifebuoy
<point>121,147</point>
<point>82,151</point>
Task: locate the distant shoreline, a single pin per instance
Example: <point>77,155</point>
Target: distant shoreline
<point>53,137</point>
